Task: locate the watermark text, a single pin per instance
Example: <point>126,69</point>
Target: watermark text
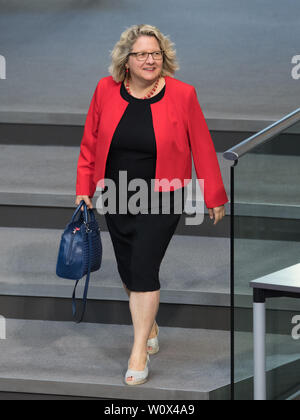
<point>296,68</point>
<point>2,67</point>
<point>162,197</point>
<point>2,328</point>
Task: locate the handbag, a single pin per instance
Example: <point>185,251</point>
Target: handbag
<point>80,251</point>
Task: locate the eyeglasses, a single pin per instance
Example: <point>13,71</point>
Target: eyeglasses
<point>142,56</point>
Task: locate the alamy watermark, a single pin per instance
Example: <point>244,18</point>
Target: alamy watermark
<point>2,328</point>
<point>296,329</point>
<point>2,67</point>
<point>296,68</point>
<point>173,199</point>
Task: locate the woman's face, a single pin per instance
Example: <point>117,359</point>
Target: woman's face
<point>148,69</point>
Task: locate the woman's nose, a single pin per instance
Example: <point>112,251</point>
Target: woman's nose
<point>150,59</point>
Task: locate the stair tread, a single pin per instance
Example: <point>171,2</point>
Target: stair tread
<point>28,263</point>
<point>65,358</point>
<point>54,169</point>
<point>190,272</point>
<point>66,353</point>
<point>55,176</point>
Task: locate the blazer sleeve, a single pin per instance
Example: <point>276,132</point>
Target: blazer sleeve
<point>85,184</point>
<point>204,155</point>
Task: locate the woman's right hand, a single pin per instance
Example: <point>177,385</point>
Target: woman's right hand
<point>86,199</point>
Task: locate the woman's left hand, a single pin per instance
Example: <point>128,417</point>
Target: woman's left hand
<point>217,212</point>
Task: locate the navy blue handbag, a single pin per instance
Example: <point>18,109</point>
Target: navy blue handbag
<point>80,251</point>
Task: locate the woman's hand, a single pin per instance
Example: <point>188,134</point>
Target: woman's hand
<point>217,212</point>
<point>86,199</point>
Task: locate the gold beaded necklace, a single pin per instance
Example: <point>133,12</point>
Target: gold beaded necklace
<point>146,96</point>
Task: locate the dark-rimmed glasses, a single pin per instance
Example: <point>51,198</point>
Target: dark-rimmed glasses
<point>143,55</point>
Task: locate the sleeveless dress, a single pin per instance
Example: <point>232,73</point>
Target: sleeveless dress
<point>139,240</point>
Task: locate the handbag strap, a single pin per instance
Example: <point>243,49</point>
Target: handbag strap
<point>89,233</point>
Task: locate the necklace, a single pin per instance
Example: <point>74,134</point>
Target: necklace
<point>149,94</point>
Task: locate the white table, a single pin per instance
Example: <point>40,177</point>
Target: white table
<point>283,283</point>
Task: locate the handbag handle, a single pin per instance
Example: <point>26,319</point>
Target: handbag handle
<point>86,212</point>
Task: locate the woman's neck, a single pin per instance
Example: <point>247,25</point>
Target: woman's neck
<point>139,87</point>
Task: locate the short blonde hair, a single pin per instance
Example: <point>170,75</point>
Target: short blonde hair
<point>123,47</point>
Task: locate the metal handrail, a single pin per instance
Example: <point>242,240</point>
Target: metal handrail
<point>262,136</point>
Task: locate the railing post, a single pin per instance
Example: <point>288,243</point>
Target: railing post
<point>259,330</point>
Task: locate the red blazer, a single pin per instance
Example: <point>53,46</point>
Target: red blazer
<point>180,129</point>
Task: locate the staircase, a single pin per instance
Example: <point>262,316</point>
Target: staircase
<point>46,354</point>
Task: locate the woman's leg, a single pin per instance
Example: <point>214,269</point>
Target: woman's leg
<point>144,307</point>
<point>153,332</point>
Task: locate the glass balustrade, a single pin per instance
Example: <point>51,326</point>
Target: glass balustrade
<point>265,196</point>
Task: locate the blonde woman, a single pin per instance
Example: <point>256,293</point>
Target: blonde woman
<point>147,123</point>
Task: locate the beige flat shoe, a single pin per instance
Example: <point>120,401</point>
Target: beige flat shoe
<point>140,376</point>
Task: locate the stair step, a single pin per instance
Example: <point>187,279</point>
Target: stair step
<point>46,175</point>
<point>64,358</point>
<point>90,360</point>
<point>54,169</point>
<point>189,274</point>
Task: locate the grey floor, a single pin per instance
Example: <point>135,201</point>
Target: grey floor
<point>239,58</point>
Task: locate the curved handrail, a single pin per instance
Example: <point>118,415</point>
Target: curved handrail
<point>262,136</point>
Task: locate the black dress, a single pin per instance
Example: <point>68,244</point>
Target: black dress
<point>139,240</point>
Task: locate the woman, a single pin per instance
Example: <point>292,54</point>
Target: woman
<point>144,122</point>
